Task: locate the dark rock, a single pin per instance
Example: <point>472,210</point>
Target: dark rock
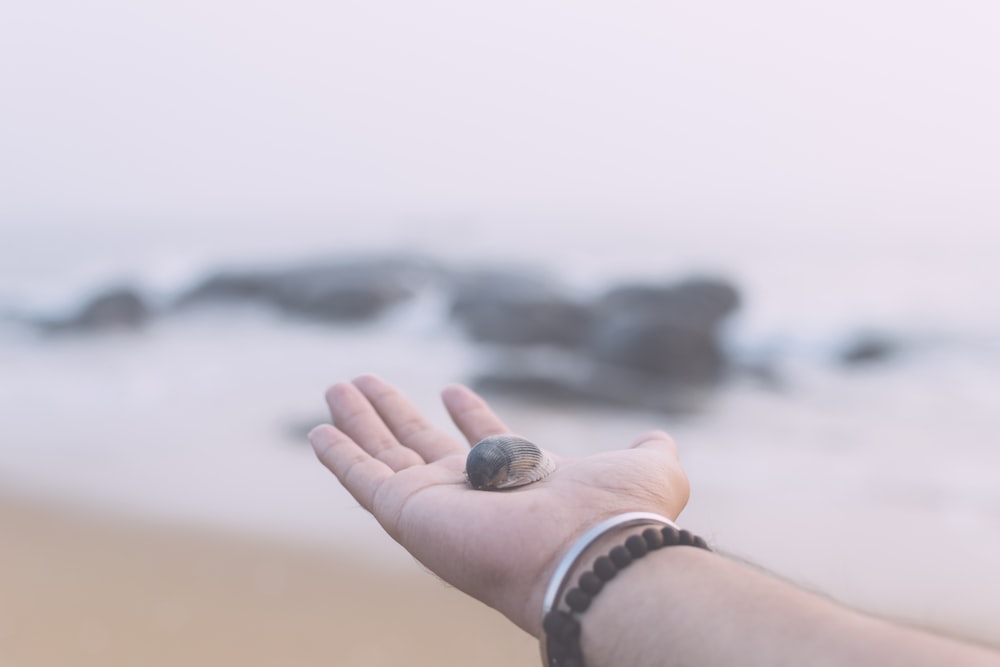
<point>697,304</point>
<point>515,284</point>
<point>118,308</point>
<point>354,290</point>
<point>641,346</point>
<point>663,347</point>
<point>667,331</point>
<point>515,309</point>
<point>542,322</point>
<point>661,330</point>
<point>337,294</point>
<point>594,384</point>
<point>866,349</point>
<point>247,286</point>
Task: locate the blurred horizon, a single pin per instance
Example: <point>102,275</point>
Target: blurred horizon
<point>153,143</point>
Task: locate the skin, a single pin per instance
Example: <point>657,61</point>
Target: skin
<point>677,606</point>
<point>499,547</point>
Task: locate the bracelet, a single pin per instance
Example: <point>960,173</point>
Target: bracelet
<point>560,634</point>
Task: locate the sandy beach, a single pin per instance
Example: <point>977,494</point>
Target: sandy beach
<point>82,589</point>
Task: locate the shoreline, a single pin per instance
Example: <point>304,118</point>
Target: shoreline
<point>88,589</point>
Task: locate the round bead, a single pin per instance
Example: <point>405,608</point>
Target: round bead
<point>636,546</point>
<point>570,632</point>
<point>620,557</point>
<point>556,648</point>
<point>590,583</point>
<point>685,538</point>
<point>669,536</point>
<point>605,568</point>
<point>555,621</point>
<point>700,543</point>
<point>577,600</point>
<point>653,537</point>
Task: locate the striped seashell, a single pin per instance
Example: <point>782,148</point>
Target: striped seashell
<point>504,462</point>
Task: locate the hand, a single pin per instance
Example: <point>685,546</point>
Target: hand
<point>498,546</point>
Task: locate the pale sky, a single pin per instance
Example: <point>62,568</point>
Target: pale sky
<point>208,110</point>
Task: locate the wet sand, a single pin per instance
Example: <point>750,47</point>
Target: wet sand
<point>81,589</point>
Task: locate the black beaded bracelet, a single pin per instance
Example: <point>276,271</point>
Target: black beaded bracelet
<point>561,629</point>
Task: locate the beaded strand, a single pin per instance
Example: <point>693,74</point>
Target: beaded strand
<point>562,628</point>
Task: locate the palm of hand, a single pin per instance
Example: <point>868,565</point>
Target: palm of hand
<point>500,547</point>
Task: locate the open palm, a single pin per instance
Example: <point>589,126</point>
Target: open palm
<point>500,547</point>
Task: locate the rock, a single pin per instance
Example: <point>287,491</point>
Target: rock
<point>230,286</point>
<point>660,347</point>
<point>866,349</point>
<point>698,303</point>
<point>355,290</point>
<point>594,384</point>
<point>117,308</point>
<point>670,331</point>
<point>339,294</point>
<point>640,346</point>
<point>540,322</point>
<point>514,309</point>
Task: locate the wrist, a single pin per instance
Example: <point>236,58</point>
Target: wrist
<point>535,604</point>
<point>595,559</point>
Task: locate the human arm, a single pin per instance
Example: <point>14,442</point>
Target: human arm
<point>679,606</point>
<point>687,606</point>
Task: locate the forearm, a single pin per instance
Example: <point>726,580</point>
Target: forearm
<point>685,606</point>
<point>676,605</point>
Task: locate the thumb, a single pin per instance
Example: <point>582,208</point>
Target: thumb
<point>676,487</point>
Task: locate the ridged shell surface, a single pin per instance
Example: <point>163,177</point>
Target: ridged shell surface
<point>506,461</point>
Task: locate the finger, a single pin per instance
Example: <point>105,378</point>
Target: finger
<point>656,440</point>
<point>675,479</point>
<point>360,474</point>
<point>356,418</point>
<point>405,421</point>
<point>471,414</point>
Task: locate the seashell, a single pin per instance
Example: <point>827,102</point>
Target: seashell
<point>505,461</point>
